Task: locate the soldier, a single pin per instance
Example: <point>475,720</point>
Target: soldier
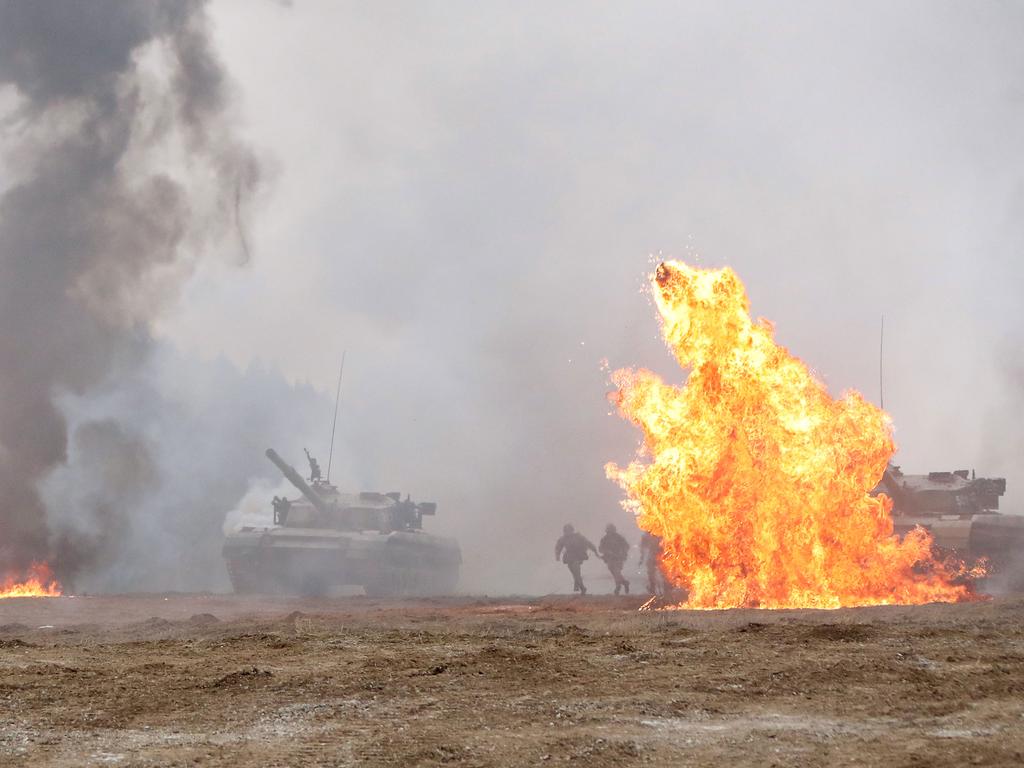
<point>574,546</point>
<point>314,468</point>
<point>614,551</point>
<point>650,550</point>
<point>281,507</point>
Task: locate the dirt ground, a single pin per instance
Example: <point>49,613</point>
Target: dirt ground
<point>225,681</point>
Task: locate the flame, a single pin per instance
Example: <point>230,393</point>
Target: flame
<point>37,582</point>
<point>756,479</point>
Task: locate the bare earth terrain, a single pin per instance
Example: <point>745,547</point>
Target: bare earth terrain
<point>223,680</point>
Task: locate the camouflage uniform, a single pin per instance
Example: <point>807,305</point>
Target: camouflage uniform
<point>614,551</point>
<point>572,549</point>
<point>650,552</point>
<point>281,507</point>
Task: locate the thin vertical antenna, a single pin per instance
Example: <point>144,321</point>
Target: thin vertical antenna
<point>881,382</point>
<point>334,426</point>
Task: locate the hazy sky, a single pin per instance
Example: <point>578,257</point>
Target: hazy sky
<point>466,197</point>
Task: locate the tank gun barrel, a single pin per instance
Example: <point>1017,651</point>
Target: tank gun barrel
<point>296,479</point>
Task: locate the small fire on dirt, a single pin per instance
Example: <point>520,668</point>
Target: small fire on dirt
<point>755,478</point>
<point>37,581</point>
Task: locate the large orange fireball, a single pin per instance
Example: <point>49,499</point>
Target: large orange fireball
<point>756,479</point>
<point>37,582</point>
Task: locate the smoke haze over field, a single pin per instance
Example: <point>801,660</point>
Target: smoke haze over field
<point>466,199</point>
<point>155,461</point>
<point>469,193</point>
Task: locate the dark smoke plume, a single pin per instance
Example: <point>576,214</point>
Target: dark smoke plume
<point>125,172</point>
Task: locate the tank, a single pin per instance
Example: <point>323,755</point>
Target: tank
<point>961,512</point>
<point>325,539</point>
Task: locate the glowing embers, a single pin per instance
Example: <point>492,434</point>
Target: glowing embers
<point>37,581</point>
<point>757,480</point>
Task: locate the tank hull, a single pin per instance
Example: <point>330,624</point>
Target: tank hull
<point>315,561</point>
<point>996,538</point>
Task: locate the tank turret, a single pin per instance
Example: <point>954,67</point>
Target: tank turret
<point>942,493</point>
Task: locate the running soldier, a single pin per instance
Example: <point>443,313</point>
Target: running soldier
<point>650,552</point>
<point>614,551</point>
<point>572,549</point>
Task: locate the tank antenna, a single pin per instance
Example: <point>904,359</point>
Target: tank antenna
<point>881,382</point>
<point>334,426</point>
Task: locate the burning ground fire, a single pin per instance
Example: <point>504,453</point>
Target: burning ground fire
<point>37,582</point>
<point>756,479</point>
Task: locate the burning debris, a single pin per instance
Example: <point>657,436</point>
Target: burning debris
<point>38,581</point>
<point>755,478</point>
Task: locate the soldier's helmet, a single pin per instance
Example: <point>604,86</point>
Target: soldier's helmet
<point>609,528</point>
<point>567,528</point>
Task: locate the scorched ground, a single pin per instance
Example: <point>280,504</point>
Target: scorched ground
<point>226,681</point>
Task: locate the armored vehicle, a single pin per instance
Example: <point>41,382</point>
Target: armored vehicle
<point>326,539</point>
<point>961,513</point>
